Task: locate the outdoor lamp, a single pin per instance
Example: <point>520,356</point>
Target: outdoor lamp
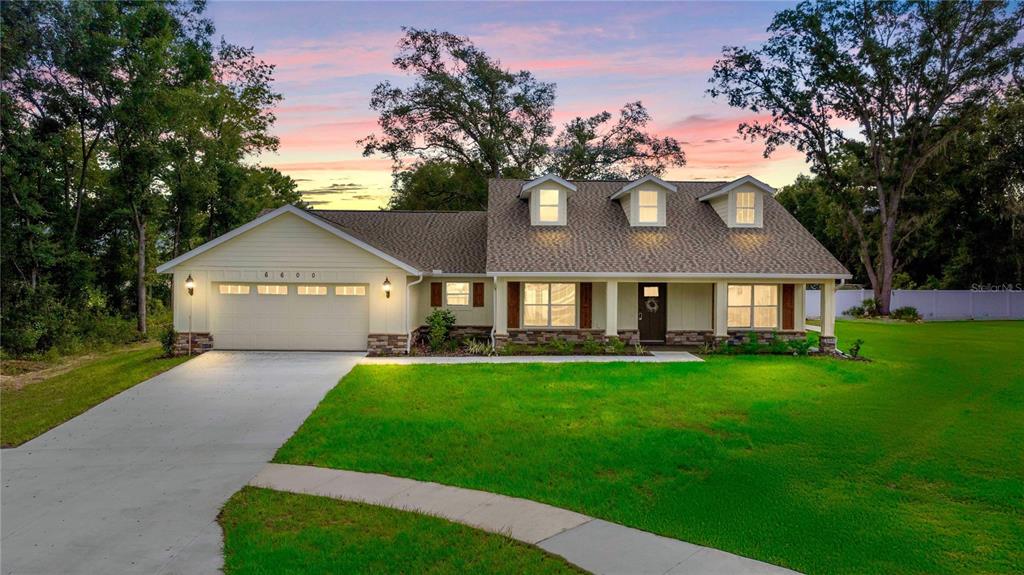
<point>190,284</point>
<point>387,288</point>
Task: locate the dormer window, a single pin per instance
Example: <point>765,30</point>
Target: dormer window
<point>746,208</point>
<point>548,199</point>
<point>548,207</point>
<point>647,208</point>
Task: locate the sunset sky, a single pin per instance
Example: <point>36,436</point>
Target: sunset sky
<point>330,55</point>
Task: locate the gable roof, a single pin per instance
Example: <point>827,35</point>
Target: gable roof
<point>597,238</point>
<point>728,187</point>
<point>527,186</point>
<point>266,217</point>
<point>644,180</point>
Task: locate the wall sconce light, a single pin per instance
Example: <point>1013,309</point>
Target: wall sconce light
<point>190,285</point>
<point>387,288</point>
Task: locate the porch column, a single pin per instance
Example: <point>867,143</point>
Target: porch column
<point>721,313</point>
<point>611,306</point>
<point>828,315</point>
<point>500,306</point>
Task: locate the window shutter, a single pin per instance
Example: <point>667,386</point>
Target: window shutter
<point>586,304</point>
<point>435,294</point>
<point>478,294</point>
<point>513,305</point>
<point>788,306</point>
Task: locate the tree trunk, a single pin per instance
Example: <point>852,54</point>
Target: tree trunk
<point>140,279</point>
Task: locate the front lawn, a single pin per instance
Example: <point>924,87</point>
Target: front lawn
<point>909,464</point>
<point>29,409</point>
<point>273,532</point>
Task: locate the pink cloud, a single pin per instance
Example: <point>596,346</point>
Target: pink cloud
<point>363,164</point>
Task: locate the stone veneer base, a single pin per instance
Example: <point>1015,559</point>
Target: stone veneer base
<point>201,342</point>
<point>378,344</point>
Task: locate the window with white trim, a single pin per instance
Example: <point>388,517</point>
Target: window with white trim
<point>549,305</point>
<point>745,208</point>
<point>548,207</point>
<point>456,293</point>
<point>647,207</point>
<point>272,289</point>
<point>312,290</point>
<point>233,289</point>
<point>349,290</point>
<point>754,306</point>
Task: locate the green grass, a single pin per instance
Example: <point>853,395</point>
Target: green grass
<point>29,411</point>
<point>278,533</point>
<point>912,463</point>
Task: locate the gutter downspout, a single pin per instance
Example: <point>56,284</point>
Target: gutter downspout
<point>494,312</point>
<point>408,331</point>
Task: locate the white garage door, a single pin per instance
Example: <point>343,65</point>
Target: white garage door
<point>289,316</point>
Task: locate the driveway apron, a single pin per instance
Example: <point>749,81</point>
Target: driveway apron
<point>134,485</point>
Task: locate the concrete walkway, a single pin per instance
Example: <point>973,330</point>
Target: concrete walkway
<point>134,484</point>
<point>656,357</point>
<point>592,544</point>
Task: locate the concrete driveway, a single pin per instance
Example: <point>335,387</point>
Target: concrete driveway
<point>134,485</point>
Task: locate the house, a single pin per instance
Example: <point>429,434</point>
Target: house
<point>648,261</point>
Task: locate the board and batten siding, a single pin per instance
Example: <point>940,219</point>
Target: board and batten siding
<point>303,253</point>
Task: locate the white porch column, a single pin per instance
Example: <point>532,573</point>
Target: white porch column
<point>828,316</point>
<point>611,306</point>
<point>721,313</point>
<point>500,306</point>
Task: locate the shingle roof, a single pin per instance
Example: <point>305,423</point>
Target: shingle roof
<point>599,239</point>
<point>453,242</point>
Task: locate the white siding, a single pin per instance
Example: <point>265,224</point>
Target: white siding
<point>689,306</point>
<point>464,315</point>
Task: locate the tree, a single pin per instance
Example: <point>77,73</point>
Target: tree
<point>463,108</point>
<point>438,185</point>
<point>585,151</point>
<point>909,76</point>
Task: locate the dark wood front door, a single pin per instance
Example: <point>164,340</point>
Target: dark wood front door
<point>651,316</point>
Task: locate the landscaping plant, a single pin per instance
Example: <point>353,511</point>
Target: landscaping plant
<point>440,323</point>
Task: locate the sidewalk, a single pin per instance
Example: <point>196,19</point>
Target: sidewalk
<point>656,357</point>
<point>592,544</point>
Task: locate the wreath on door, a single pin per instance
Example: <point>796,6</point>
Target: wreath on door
<point>651,305</point>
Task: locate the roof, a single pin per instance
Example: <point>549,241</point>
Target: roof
<point>652,179</point>
<point>729,186</point>
<point>453,242</point>
<point>598,238</point>
<point>527,186</point>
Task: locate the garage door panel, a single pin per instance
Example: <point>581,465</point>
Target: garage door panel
<point>289,322</point>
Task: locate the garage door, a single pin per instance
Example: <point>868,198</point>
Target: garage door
<point>289,316</point>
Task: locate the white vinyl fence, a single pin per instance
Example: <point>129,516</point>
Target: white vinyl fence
<point>932,304</point>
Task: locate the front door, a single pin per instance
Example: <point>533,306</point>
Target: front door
<point>651,316</point>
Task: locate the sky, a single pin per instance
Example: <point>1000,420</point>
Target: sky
<point>330,55</point>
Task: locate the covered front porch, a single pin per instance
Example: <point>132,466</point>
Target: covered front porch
<point>656,310</point>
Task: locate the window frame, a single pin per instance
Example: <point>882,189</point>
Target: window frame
<point>448,294</point>
<point>220,289</point>
<point>752,208</point>
<point>640,206</point>
<point>752,307</point>
<point>548,306</point>
<point>264,289</point>
<point>557,205</point>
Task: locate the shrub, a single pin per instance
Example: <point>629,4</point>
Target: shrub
<point>562,346</point>
<point>777,345</point>
<point>800,346</point>
<point>591,346</point>
<point>870,306</point>
<point>855,348</point>
<point>512,349</point>
<point>854,311</point>
<point>752,345</point>
<point>639,349</point>
<point>167,340</point>
<point>440,323</point>
<point>616,346</point>
<point>905,313</point>
<point>476,347</point>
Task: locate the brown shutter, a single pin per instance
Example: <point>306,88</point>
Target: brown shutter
<point>435,294</point>
<point>513,305</point>
<point>788,306</point>
<point>586,304</point>
<point>478,294</point>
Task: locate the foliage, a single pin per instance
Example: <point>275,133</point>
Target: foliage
<point>615,346</point>
<point>439,323</point>
<point>268,531</point>
<point>711,452</point>
<point>37,407</point>
<point>478,347</point>
<point>905,313</point>
<point>464,119</point>
<point>854,311</point>
<point>801,346</point>
<point>168,340</point>
<point>592,346</point>
<point>639,349</point>
<point>854,350</point>
<point>561,346</point>
<point>887,68</point>
<point>125,138</point>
